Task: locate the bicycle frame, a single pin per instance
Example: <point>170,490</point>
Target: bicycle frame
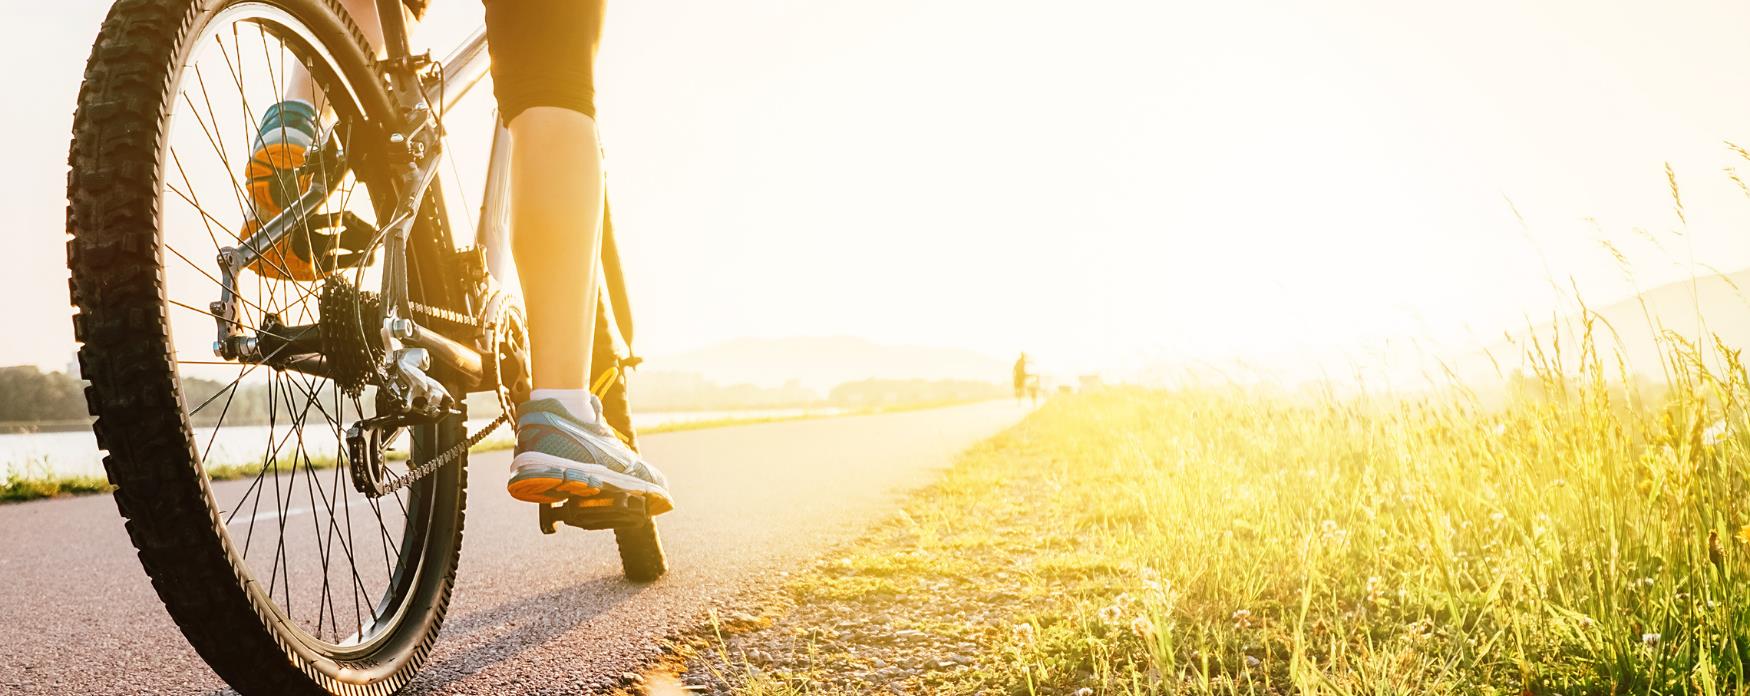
<point>459,73</point>
<point>424,91</point>
<point>417,169</point>
<point>454,78</point>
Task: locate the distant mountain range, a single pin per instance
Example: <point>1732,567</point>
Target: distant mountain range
<point>1704,309</point>
<point>821,363</point>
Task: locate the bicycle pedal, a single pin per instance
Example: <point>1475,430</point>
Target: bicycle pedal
<point>603,511</point>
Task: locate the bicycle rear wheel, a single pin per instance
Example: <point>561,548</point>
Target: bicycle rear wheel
<point>285,579</point>
<point>641,555</point>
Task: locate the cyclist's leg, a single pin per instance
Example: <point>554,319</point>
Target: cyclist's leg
<point>556,208</point>
<point>543,60</point>
<point>543,69</point>
<point>286,131</point>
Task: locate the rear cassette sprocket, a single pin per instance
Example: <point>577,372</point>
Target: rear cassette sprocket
<point>352,339</point>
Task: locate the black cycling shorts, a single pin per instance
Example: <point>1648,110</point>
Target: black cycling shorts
<point>543,53</point>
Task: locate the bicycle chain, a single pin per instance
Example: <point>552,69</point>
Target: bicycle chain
<point>448,315</point>
<point>455,452</point>
<point>460,449</point>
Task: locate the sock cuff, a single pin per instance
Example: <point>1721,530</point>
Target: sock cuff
<point>574,400</point>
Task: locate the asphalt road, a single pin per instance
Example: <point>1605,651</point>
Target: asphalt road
<point>531,613</point>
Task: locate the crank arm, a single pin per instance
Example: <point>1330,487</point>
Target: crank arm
<point>290,219</point>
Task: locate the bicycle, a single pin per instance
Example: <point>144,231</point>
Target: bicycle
<point>348,386</point>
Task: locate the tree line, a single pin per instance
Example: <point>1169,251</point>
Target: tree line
<point>30,395</point>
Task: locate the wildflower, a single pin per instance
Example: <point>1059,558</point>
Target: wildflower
<point>1242,619</point>
<point>1498,517</point>
<point>1715,433</point>
<point>1587,622</point>
<point>1500,429</point>
<point>1111,614</point>
<point>1375,592</point>
<point>1744,534</point>
<point>1024,633</point>
<point>1123,600</point>
<point>1422,628</point>
<point>1153,582</point>
<point>1650,640</point>
<point>1142,627</point>
<point>1332,532</point>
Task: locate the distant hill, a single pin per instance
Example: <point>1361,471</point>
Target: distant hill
<point>1702,309</point>
<point>821,363</point>
<point>658,390</point>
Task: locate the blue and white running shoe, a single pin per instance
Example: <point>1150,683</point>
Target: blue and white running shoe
<point>559,456</point>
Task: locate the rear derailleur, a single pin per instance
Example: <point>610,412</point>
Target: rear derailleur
<point>407,396</point>
<point>368,443</point>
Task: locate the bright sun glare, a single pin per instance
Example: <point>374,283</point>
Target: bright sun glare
<point>1106,184</point>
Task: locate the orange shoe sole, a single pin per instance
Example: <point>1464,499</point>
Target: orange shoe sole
<point>540,488</point>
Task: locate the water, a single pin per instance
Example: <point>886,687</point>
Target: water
<point>75,451</point>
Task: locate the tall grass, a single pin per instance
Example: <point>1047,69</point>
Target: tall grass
<point>1582,539</point>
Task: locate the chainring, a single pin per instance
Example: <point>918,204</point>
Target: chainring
<point>507,366</point>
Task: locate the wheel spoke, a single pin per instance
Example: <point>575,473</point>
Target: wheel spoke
<point>214,137</point>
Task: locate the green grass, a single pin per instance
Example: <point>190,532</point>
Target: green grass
<point>36,482</point>
<point>1574,541</point>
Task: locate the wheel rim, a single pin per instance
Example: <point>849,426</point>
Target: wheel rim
<point>337,570</point>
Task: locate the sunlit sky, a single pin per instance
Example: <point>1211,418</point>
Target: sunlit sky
<point>1104,183</point>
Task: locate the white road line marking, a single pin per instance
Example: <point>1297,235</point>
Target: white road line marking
<point>290,512</point>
